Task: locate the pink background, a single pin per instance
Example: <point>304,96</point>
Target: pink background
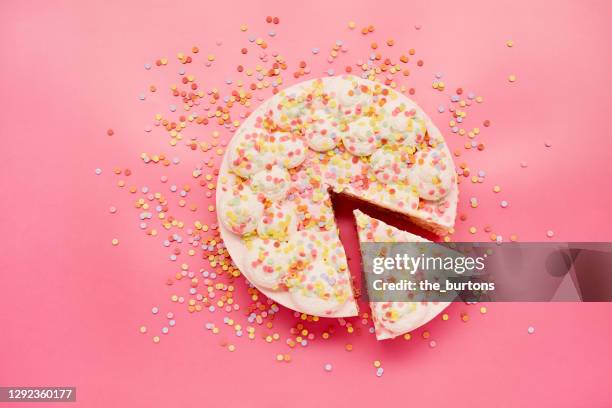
<point>71,304</point>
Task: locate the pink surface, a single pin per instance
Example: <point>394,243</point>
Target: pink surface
<point>71,303</point>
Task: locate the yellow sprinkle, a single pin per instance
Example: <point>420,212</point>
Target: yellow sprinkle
<point>115,242</point>
<point>351,25</point>
<point>509,43</point>
<point>511,77</point>
<point>143,329</point>
<point>496,189</point>
<point>483,310</point>
<point>445,317</point>
<point>280,357</point>
<point>156,339</point>
<point>377,363</point>
<point>407,336</point>
<point>231,348</point>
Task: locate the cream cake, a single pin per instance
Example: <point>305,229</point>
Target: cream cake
<point>392,319</point>
<point>342,134</point>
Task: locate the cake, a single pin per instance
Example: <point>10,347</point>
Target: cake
<point>392,319</point>
<point>344,135</point>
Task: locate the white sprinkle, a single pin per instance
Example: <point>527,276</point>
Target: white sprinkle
<point>531,330</point>
<point>328,367</point>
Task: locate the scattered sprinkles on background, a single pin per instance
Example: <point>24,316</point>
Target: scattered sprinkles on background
<point>196,113</point>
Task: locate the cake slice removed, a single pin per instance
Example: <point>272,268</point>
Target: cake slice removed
<point>392,319</point>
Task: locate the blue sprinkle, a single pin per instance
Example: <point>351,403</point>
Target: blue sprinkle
<point>172,108</point>
<point>142,97</point>
<point>147,66</point>
<point>315,51</point>
<point>441,109</point>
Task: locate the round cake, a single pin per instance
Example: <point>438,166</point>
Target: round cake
<point>344,135</point>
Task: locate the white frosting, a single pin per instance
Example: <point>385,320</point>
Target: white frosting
<point>322,134</point>
<point>390,166</point>
<point>251,154</point>
<point>360,138</point>
<point>348,93</point>
<point>290,149</point>
<point>404,125</point>
<point>241,211</point>
<point>272,182</point>
<point>318,295</point>
<point>434,174</point>
<point>398,317</point>
<point>268,262</point>
<point>279,222</point>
